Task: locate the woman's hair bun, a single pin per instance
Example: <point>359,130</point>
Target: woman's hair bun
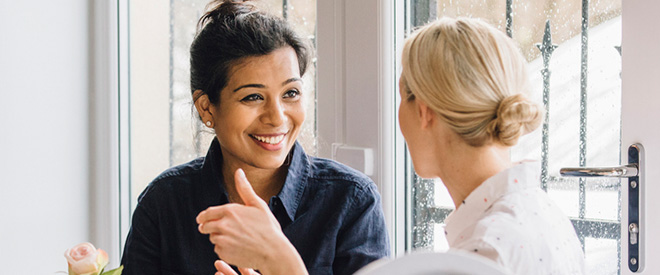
<point>516,115</point>
<point>217,10</point>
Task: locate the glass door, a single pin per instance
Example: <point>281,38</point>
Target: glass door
<point>573,49</point>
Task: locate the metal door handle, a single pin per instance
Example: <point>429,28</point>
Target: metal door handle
<point>634,172</point>
<point>626,171</point>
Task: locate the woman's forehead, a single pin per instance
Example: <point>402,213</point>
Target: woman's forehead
<point>278,66</point>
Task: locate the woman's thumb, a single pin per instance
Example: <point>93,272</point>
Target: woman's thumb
<point>244,189</point>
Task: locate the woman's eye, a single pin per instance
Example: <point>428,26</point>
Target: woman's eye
<point>252,97</point>
<point>291,93</point>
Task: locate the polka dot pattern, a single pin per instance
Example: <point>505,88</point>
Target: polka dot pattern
<point>510,220</point>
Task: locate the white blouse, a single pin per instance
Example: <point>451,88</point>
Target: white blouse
<point>511,221</point>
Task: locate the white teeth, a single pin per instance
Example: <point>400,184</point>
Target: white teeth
<point>269,140</point>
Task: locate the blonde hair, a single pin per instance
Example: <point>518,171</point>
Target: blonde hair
<point>474,77</point>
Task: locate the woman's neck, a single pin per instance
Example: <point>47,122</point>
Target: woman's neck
<point>265,182</point>
<point>470,167</point>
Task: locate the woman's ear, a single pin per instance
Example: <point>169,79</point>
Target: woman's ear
<point>426,115</point>
<point>203,106</point>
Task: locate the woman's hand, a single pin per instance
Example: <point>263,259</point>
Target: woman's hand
<point>248,235</point>
<point>224,269</point>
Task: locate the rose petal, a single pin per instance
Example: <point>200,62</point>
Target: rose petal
<point>82,258</point>
<point>102,259</point>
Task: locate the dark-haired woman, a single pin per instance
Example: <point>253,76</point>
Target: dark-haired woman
<point>323,217</point>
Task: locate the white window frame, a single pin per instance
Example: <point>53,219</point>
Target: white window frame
<point>123,82</point>
<point>639,110</point>
<point>356,108</point>
<point>109,113</point>
<point>106,202</point>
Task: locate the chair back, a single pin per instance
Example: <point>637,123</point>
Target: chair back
<point>433,263</point>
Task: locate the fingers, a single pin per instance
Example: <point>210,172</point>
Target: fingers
<point>211,213</point>
<point>220,227</point>
<point>209,217</point>
<point>218,212</point>
<point>244,189</point>
<point>247,271</point>
<point>224,268</point>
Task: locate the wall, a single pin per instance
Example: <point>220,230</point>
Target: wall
<point>44,107</point>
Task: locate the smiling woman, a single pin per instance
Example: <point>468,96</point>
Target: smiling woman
<point>260,111</point>
<point>304,213</point>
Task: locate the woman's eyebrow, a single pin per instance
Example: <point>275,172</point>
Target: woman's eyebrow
<point>291,80</point>
<point>261,86</point>
<point>249,86</point>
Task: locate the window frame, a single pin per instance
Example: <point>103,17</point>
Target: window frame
<point>356,93</point>
<point>108,199</point>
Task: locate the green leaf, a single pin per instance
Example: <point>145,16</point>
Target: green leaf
<point>116,271</point>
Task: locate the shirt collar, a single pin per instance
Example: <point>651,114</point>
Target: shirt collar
<point>212,176</point>
<point>292,190</point>
<point>520,176</point>
<point>296,180</point>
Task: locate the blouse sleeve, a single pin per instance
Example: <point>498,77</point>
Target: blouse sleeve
<point>364,238</point>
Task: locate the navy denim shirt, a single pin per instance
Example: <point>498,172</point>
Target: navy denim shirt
<point>331,213</point>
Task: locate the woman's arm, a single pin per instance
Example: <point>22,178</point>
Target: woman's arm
<point>363,239</point>
<point>248,235</point>
<point>141,252</point>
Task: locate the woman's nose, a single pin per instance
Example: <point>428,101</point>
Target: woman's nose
<point>274,114</point>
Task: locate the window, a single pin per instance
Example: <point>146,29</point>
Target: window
<point>580,86</point>
<point>164,128</point>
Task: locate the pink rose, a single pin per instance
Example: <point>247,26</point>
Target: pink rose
<point>85,259</point>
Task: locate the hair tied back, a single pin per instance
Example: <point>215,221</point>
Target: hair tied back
<point>218,10</point>
<point>516,115</point>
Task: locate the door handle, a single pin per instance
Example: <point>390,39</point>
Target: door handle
<point>634,172</point>
<point>625,171</point>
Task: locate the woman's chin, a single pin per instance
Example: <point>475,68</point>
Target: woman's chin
<point>422,172</point>
<point>269,163</point>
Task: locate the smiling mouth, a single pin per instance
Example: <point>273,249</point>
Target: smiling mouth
<point>273,140</point>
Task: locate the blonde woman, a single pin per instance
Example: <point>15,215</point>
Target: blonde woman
<point>463,105</point>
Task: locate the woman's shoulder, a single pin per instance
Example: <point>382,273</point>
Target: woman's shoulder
<point>173,178</point>
<point>182,170</point>
<point>331,170</point>
<point>341,182</point>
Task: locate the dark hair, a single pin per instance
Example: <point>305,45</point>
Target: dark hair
<point>231,31</point>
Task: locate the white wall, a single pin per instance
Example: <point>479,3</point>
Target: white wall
<point>44,117</point>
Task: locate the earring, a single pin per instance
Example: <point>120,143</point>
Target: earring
<point>208,123</point>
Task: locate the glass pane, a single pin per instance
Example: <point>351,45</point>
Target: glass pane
<point>165,130</point>
<point>602,261</point>
<point>574,120</point>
